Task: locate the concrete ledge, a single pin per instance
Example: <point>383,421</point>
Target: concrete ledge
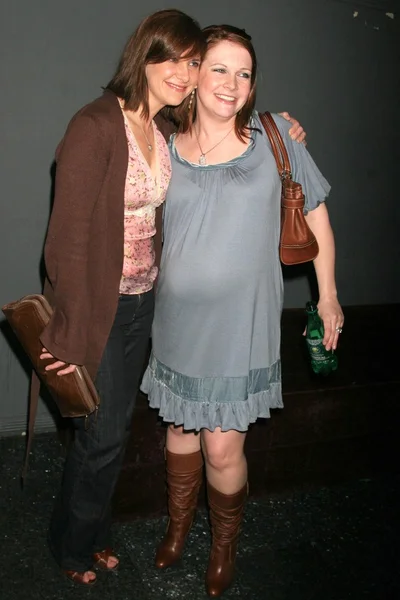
<point>17,425</point>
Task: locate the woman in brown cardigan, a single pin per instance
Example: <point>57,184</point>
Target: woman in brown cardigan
<point>113,168</point>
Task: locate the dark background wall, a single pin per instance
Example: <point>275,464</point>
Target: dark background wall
<point>333,64</point>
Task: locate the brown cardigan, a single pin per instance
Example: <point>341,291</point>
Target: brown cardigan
<point>84,244</point>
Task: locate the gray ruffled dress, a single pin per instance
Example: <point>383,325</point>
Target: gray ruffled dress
<point>216,334</point>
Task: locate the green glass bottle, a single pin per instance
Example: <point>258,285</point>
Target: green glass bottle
<point>322,360</point>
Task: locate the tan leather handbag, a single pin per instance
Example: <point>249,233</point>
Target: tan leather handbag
<point>297,244</point>
<point>74,393</point>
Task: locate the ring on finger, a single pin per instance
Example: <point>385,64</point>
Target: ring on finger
<point>339,329</point>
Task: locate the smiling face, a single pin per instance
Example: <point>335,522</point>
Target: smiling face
<point>225,80</point>
<point>171,81</point>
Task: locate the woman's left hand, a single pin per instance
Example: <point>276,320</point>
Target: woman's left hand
<point>332,317</point>
<point>57,364</point>
<point>296,131</point>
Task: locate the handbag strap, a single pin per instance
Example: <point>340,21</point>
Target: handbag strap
<point>278,145</point>
<point>33,406</point>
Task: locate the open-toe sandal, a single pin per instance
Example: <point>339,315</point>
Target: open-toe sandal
<point>78,577</point>
<point>100,560</point>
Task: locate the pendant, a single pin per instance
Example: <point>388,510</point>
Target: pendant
<point>150,147</point>
<point>202,160</point>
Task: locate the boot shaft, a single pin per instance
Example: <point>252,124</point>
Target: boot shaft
<point>226,515</point>
<point>184,478</point>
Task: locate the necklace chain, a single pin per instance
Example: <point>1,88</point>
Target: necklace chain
<point>202,157</point>
<point>150,147</point>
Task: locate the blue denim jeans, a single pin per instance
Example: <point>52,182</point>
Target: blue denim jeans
<point>81,520</point>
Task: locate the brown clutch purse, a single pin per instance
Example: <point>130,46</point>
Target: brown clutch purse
<point>297,242</point>
<point>74,393</point>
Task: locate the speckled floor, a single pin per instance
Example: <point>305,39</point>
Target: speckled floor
<point>326,544</point>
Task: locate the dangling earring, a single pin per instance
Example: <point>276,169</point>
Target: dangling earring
<point>191,99</point>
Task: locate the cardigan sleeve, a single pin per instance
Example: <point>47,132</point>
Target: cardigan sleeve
<point>82,159</point>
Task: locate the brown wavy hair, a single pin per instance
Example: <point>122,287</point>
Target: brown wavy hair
<point>213,35</point>
<point>164,35</point>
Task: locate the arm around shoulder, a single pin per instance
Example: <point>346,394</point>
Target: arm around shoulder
<point>304,169</point>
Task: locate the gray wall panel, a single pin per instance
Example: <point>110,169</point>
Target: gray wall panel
<point>336,71</point>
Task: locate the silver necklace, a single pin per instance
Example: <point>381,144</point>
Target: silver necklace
<point>202,157</point>
<point>150,147</point>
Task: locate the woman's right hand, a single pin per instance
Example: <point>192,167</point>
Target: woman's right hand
<point>58,364</point>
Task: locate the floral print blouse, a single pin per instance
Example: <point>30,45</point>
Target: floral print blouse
<point>143,193</point>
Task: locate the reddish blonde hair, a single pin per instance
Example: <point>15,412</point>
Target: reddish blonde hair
<point>213,35</point>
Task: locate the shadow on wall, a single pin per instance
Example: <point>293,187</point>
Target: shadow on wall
<point>42,267</point>
<point>21,357</point>
<point>299,271</point>
<point>12,341</point>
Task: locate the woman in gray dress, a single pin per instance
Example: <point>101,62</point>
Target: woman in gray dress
<point>215,366</point>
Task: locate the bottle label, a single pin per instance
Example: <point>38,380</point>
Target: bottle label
<point>317,350</point>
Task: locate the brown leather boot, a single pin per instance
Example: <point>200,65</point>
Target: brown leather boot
<point>184,477</point>
<point>226,513</point>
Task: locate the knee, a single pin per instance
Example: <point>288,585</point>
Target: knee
<point>222,458</point>
<point>108,437</point>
